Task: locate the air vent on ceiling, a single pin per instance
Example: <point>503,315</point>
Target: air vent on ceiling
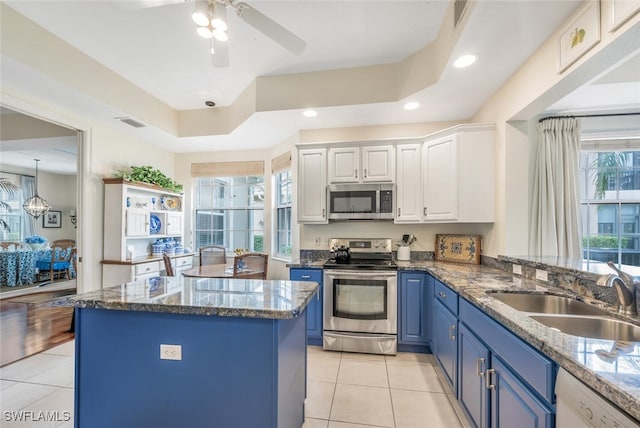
<point>131,122</point>
<point>459,7</point>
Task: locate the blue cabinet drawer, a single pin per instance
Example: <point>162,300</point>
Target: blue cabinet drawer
<point>306,275</point>
<point>534,368</point>
<point>447,296</point>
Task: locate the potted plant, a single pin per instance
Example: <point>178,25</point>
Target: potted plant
<point>150,175</point>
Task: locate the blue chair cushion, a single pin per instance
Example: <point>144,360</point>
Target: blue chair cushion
<point>43,265</point>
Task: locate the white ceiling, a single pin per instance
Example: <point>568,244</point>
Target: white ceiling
<point>156,48</point>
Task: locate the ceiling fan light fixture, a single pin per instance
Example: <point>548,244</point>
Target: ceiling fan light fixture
<point>200,15</point>
<point>219,24</point>
<point>220,35</point>
<point>205,32</point>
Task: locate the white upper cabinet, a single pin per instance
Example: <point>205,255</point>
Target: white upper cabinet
<point>362,164</point>
<point>458,175</point>
<point>312,186</point>
<point>408,184</point>
<point>440,179</point>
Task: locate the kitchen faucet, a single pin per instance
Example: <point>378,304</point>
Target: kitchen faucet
<point>626,288</point>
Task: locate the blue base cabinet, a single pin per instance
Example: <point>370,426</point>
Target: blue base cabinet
<point>414,327</point>
<point>233,372</point>
<point>314,310</point>
<point>445,344</point>
<point>473,360</point>
<point>502,381</point>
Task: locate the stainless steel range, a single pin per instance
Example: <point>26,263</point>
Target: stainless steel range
<point>360,297</point>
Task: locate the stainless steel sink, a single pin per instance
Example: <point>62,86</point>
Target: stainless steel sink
<point>547,304</point>
<point>597,328</point>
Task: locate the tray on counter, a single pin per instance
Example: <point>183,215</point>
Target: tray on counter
<point>458,248</point>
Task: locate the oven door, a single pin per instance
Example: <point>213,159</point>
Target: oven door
<point>360,301</point>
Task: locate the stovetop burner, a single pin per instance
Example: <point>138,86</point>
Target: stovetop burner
<point>371,254</point>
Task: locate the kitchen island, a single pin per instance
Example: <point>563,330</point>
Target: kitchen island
<point>170,352</point>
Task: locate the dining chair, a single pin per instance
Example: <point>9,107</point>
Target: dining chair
<point>62,253</point>
<point>8,244</point>
<point>213,255</point>
<point>167,265</point>
<point>251,266</point>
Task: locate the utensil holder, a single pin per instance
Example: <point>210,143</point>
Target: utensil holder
<point>404,253</point>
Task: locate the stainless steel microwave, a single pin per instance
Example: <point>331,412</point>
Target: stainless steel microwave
<point>360,201</point>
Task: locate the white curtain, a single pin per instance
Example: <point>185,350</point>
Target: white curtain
<point>555,219</point>
<point>28,186</point>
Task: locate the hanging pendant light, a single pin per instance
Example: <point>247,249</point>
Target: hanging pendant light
<point>35,206</point>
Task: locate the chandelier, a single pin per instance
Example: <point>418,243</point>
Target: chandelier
<point>35,206</point>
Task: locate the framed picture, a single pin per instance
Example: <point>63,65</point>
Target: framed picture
<point>52,219</point>
<point>579,35</point>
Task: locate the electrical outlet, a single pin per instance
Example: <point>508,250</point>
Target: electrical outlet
<point>170,352</point>
<point>542,275</point>
<point>517,269</point>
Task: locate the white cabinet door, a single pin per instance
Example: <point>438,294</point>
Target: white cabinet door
<point>137,223</point>
<point>378,164</point>
<point>408,190</point>
<point>312,186</point>
<point>344,165</point>
<point>174,223</point>
<point>440,179</point>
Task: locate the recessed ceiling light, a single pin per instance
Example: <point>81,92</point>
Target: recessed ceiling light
<point>465,61</point>
<point>412,105</point>
<point>310,113</point>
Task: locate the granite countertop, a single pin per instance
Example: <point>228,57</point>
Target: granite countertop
<point>203,296</point>
<point>610,368</point>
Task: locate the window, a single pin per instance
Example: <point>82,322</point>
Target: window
<point>11,216</point>
<point>610,204</point>
<point>283,187</point>
<point>229,211</point>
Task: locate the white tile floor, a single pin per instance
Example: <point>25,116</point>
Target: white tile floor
<point>344,390</point>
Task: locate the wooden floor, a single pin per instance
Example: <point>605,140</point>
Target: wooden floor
<point>27,327</point>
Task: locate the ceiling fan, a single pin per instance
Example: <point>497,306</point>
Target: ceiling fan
<point>211,18</point>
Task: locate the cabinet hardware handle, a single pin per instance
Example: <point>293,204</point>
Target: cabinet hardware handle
<point>365,173</point>
<point>323,211</point>
<point>442,295</point>
<point>424,211</point>
<point>479,364</point>
<point>452,334</point>
<point>356,173</point>
<point>398,212</point>
<point>306,276</point>
<point>487,378</point>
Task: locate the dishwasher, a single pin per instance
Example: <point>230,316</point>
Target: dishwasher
<point>579,406</point>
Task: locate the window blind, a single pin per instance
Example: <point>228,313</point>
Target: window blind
<point>280,163</point>
<point>227,169</point>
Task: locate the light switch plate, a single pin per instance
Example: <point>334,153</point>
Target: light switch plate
<point>542,275</point>
<point>170,352</point>
<point>517,269</point>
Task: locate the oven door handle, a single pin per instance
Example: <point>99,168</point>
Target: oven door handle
<point>350,274</point>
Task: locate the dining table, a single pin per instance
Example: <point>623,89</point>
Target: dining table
<point>19,267</point>
<point>221,270</point>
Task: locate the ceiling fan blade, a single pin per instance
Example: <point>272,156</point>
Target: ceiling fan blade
<point>220,55</point>
<point>270,28</point>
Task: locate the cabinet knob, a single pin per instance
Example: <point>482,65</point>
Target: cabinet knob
<point>442,294</point>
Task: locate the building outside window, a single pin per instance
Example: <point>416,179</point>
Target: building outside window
<point>610,204</point>
<point>283,199</point>
<point>229,211</point>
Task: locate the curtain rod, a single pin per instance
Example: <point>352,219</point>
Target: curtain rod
<point>589,115</point>
<point>15,173</point>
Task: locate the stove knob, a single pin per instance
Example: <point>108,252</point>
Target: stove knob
<point>384,245</point>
